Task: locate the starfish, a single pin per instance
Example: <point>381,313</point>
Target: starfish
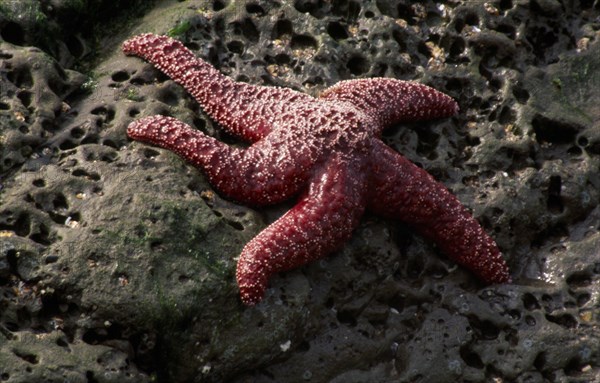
<point>326,151</point>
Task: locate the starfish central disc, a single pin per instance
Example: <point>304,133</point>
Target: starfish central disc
<point>327,150</point>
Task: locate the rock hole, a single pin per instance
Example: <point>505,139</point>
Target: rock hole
<point>471,358</point>
<point>530,302</point>
<point>27,356</point>
<point>554,202</point>
<point>347,318</point>
<point>150,153</point>
<point>120,76</point>
<point>60,202</point>
<point>236,47</point>
<point>357,65</point>
<point>486,329</point>
<point>40,183</point>
<point>218,5</point>
<point>13,33</point>
<point>236,225</point>
<point>168,97</point>
<point>247,29</point>
<point>254,8</point>
<point>565,320</point>
<point>303,42</point>
<point>337,31</point>
<point>282,27</point>
<point>42,236</point>
<point>521,94</point>
<point>67,145</point>
<point>549,131</point>
<point>82,173</point>
<point>77,132</point>
<point>579,279</point>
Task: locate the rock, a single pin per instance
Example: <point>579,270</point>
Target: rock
<point>117,259</point>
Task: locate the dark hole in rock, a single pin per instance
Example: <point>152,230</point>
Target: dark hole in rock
<point>42,236</point>
<point>555,132</point>
<point>574,151</point>
<point>52,258</point>
<point>457,47</point>
<point>583,299</point>
<point>67,145</point>
<point>236,225</point>
<point>282,59</point>
<point>4,106</point>
<point>505,4</point>
<point>11,258</point>
<point>303,42</point>
<point>554,202</point>
<point>25,97</point>
<point>282,27</point>
<point>108,157</point>
<point>22,225</point>
<point>82,173</point>
<point>582,141</point>
<point>13,33</point>
<point>530,320</point>
<point>26,356</point>
<point>486,329</point>
<point>156,245</point>
<point>247,29</point>
<point>49,126</point>
<point>337,31</point>
<point>471,358</point>
<point>593,148</point>
<point>564,320</point>
<point>255,8</point>
<point>21,78</point>
<point>111,143</point>
<point>346,317</point>
<point>183,278</point>
<point>62,342</point>
<point>540,361</point>
<point>218,5</point>
<point>120,76</point>
<point>90,138</point>
<point>236,47</point>
<point>133,112</point>
<point>40,183</point>
<point>77,132</point>
<point>150,153</point>
<point>75,45</point>
<point>11,326</point>
<point>357,65</point>
<point>521,94</point>
<point>168,97</point>
<point>60,202</point>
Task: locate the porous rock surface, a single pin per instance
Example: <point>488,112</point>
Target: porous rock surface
<point>117,259</point>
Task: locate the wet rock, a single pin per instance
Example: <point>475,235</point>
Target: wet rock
<point>117,259</point>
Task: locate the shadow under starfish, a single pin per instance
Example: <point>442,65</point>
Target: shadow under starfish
<point>327,150</point>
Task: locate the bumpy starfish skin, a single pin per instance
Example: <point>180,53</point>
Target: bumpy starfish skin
<point>327,150</point>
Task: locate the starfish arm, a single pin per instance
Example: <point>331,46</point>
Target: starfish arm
<point>399,189</point>
<point>244,110</point>
<point>236,173</point>
<point>389,101</point>
<point>320,223</point>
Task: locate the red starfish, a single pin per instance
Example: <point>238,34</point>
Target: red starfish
<point>325,149</point>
